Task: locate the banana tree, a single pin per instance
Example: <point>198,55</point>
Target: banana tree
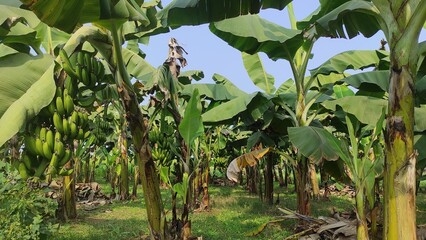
<point>401,24</point>
<point>358,156</point>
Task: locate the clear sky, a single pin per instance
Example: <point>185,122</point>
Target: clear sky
<point>212,55</point>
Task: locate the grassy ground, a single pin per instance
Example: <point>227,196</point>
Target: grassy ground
<point>234,213</point>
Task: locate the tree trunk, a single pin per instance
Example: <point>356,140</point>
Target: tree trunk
<point>301,183</point>
<point>402,22</point>
<point>400,163</point>
<point>149,178</point>
<point>314,180</point>
<point>68,209</point>
<point>269,180</point>
<point>280,176</point>
<point>14,149</point>
<point>124,173</point>
<point>362,227</point>
<point>135,182</point>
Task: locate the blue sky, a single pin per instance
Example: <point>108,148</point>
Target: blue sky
<point>212,55</point>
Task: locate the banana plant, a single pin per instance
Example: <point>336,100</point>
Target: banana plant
<point>364,164</point>
<point>401,25</point>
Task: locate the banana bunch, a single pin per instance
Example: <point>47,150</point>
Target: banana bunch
<point>162,144</point>
<point>161,155</point>
<point>48,137</point>
<point>101,130</point>
<point>87,69</point>
<point>72,127</point>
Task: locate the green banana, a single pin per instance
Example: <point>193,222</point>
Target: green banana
<point>52,107</point>
<point>101,71</point>
<point>66,63</point>
<point>30,145</point>
<point>58,136</point>
<point>85,77</point>
<point>57,122</point>
<point>26,160</point>
<point>93,80</point>
<point>59,148</point>
<point>60,106</point>
<point>79,70</point>
<point>53,165</point>
<point>66,126</point>
<point>73,130</point>
<point>37,131</point>
<point>47,152</point>
<point>58,92</point>
<point>87,134</point>
<point>23,171</point>
<point>80,59</point>
<point>39,147</point>
<point>88,62</point>
<point>74,118</point>
<point>68,104</point>
<point>71,85</point>
<point>42,134</point>
<point>80,134</point>
<point>50,139</point>
<point>65,158</point>
<point>95,67</point>
<point>81,119</point>
<point>41,168</point>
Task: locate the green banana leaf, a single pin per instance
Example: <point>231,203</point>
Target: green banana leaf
<point>51,37</point>
<point>26,87</point>
<point>419,143</point>
<point>197,12</point>
<point>341,91</point>
<point>259,137</point>
<point>255,34</point>
<point>187,76</point>
<point>366,109</point>
<point>10,14</point>
<point>228,110</point>
<point>379,78</point>
<point>349,19</point>
<point>356,60</point>
<point>138,67</point>
<point>317,144</point>
<point>215,92</point>
<point>18,28</point>
<point>65,15</point>
<point>191,126</point>
<point>419,118</point>
<point>287,87</point>
<point>6,50</point>
<point>219,79</point>
<point>257,73</point>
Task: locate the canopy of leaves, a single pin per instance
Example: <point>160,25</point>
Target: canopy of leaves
<point>196,12</point>
<point>255,34</point>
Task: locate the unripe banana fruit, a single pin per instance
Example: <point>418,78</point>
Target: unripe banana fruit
<point>47,152</point>
<point>60,106</point>
<point>68,104</point>
<point>50,139</point>
<point>23,171</point>
<point>57,122</point>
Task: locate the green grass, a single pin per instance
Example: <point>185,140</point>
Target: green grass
<point>233,214</point>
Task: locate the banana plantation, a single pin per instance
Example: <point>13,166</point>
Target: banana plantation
<point>97,143</point>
